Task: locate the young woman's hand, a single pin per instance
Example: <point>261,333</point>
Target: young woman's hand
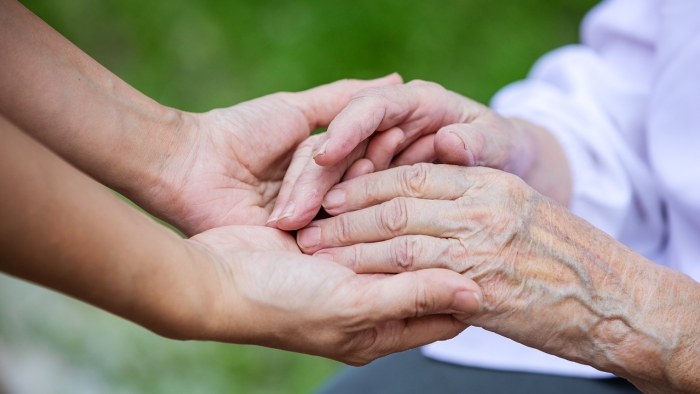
<point>268,293</point>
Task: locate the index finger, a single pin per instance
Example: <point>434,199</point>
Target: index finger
<point>417,107</point>
<point>423,180</point>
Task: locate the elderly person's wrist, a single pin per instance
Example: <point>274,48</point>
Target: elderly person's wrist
<point>624,314</point>
<point>663,355</point>
<point>550,280</point>
<point>639,318</point>
<point>542,163</point>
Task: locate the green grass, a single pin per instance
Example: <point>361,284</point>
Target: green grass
<point>198,55</point>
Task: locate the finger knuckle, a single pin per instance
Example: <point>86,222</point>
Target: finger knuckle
<point>352,257</point>
<point>404,254</point>
<point>393,216</point>
<point>426,84</point>
<point>286,97</point>
<point>422,300</point>
<point>370,93</point>
<point>415,179</point>
<point>510,185</point>
<point>343,228</point>
<point>372,190</point>
<point>456,257</point>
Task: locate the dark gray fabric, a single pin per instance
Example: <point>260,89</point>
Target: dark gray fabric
<point>411,372</point>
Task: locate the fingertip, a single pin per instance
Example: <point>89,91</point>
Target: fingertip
<point>451,148</point>
<point>467,302</point>
<point>308,238</point>
<point>274,216</point>
<point>360,167</point>
<point>464,292</point>
<point>383,146</point>
<point>299,217</point>
<point>394,78</point>
<point>322,156</point>
<point>287,219</point>
<point>334,149</point>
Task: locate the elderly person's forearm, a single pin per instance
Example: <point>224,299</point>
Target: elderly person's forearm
<point>551,280</point>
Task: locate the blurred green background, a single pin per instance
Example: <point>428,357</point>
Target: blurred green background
<point>198,55</point>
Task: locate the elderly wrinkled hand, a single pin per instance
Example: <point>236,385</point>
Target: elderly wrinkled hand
<point>550,280</point>
<point>408,124</point>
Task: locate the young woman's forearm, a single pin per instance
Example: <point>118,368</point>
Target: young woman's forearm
<point>60,229</point>
<point>69,102</point>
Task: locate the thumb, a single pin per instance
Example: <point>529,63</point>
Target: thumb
<point>421,293</point>
<point>491,142</point>
<point>321,104</point>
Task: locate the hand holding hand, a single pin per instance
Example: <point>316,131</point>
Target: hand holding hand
<point>225,167</point>
<point>550,280</point>
<point>418,122</point>
<point>271,294</point>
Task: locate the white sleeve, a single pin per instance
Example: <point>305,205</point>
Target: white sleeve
<point>593,98</point>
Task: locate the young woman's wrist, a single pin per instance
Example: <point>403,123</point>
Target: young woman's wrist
<point>185,302</point>
<point>154,158</point>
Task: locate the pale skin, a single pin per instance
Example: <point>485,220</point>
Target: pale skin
<point>239,284</point>
<point>412,123</point>
<point>215,175</point>
<point>550,280</point>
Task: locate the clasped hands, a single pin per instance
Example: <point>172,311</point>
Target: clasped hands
<point>242,161</point>
<point>413,252</point>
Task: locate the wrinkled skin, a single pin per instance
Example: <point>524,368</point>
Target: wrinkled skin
<point>390,126</point>
<point>271,294</point>
<point>550,280</point>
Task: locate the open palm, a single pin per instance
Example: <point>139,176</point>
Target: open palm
<point>230,169</point>
<point>270,294</point>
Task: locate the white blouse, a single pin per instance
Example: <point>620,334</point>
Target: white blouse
<point>625,106</point>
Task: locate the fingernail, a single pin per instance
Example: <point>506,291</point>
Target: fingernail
<point>275,213</point>
<point>309,237</point>
<point>288,212</point>
<point>325,256</point>
<point>334,199</point>
<point>467,302</point>
<point>322,151</point>
<point>464,145</point>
